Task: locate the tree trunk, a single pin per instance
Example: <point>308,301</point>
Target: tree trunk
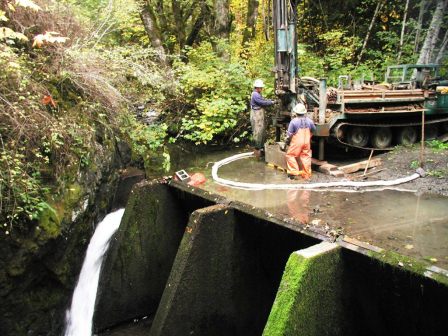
<point>442,49</point>
<point>421,14</point>
<point>403,28</point>
<point>153,32</point>
<point>179,24</point>
<point>433,33</point>
<point>378,8</point>
<point>222,19</point>
<point>198,24</point>
<point>251,20</point>
<point>266,19</point>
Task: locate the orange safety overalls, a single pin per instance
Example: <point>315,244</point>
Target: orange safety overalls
<point>300,148</point>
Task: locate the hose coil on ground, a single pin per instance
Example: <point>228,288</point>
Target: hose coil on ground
<point>299,186</point>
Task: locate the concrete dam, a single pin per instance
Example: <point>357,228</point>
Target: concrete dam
<point>191,262</point>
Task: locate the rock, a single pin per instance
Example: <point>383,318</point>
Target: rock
<point>39,267</point>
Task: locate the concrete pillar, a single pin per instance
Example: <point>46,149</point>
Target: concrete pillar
<point>225,275</point>
<point>140,256</point>
<point>308,301</point>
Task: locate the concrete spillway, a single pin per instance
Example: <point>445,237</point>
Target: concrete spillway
<point>200,265</point>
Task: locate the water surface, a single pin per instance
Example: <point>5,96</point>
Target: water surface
<point>401,221</point>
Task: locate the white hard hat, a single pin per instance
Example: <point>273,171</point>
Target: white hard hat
<point>258,83</point>
<point>299,109</point>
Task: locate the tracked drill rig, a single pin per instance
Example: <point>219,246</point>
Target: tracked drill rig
<point>360,114</point>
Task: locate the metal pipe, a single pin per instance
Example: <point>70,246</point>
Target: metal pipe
<point>422,148</point>
<point>322,109</point>
<point>322,100</point>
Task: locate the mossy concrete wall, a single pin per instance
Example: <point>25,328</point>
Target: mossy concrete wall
<point>225,275</point>
<point>329,290</point>
<point>140,256</point>
<point>309,299</point>
<point>386,299</point>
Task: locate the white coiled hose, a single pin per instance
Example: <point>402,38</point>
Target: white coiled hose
<point>297,186</point>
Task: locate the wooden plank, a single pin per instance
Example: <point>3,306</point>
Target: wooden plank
<point>361,244</point>
<point>354,167</point>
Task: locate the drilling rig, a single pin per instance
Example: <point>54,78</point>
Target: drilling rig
<point>358,114</point>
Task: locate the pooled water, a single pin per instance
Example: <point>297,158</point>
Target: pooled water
<point>79,317</point>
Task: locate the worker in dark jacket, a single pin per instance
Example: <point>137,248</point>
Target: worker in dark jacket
<point>257,115</point>
<point>299,136</point>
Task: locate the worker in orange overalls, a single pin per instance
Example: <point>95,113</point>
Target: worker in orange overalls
<point>299,139</point>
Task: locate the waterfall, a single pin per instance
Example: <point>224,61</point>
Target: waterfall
<point>79,317</point>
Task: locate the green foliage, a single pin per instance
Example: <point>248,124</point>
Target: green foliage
<point>437,145</point>
<point>21,197</point>
<point>414,164</point>
<point>339,49</point>
<point>216,92</point>
<point>46,146</point>
<point>145,139</point>
<point>438,173</point>
<point>259,64</point>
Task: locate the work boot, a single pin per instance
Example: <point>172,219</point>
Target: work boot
<point>259,153</point>
<point>305,175</point>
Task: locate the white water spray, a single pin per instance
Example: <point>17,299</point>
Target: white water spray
<point>79,317</point>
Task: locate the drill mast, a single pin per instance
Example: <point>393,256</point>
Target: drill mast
<point>285,35</point>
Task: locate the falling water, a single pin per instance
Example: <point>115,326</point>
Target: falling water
<point>79,317</point>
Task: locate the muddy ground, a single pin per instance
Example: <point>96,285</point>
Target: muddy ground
<point>404,161</point>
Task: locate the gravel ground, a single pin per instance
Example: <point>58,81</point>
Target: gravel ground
<point>403,161</point>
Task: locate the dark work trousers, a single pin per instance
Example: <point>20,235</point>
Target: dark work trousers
<point>258,122</point>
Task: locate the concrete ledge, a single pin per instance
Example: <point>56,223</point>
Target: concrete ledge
<point>315,250</point>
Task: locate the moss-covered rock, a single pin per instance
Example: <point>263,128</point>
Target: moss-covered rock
<point>39,267</point>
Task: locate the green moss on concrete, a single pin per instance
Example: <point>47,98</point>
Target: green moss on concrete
<point>308,301</point>
<point>409,264</point>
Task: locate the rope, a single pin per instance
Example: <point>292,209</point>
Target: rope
<point>297,186</point>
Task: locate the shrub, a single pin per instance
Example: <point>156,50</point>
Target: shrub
<point>58,104</point>
<point>216,92</point>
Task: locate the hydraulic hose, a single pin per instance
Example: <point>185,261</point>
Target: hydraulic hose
<point>302,186</point>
